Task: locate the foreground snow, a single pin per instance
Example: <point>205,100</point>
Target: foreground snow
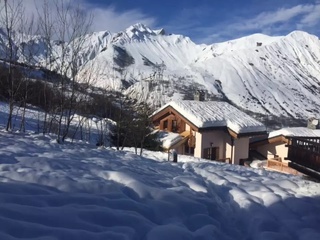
<point>74,191</point>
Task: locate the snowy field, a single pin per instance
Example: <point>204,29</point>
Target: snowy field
<point>76,191</point>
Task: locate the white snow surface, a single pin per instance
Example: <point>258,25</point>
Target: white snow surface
<point>76,191</point>
<point>206,114</point>
<point>93,127</point>
<point>281,77</point>
<point>295,132</point>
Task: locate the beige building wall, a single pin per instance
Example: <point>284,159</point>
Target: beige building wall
<point>229,148</point>
<point>198,148</point>
<point>241,150</point>
<point>210,139</point>
<point>272,149</point>
<point>222,140</point>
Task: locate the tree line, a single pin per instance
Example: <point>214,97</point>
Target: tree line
<point>58,86</point>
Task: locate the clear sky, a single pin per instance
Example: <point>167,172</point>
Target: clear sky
<point>208,21</point>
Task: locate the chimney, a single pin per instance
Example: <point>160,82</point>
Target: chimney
<point>313,123</point>
<point>200,95</point>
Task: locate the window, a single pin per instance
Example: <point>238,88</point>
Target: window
<point>165,124</point>
<point>188,150</point>
<point>174,126</point>
<point>211,153</point>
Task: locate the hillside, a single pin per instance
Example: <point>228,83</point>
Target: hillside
<point>268,75</point>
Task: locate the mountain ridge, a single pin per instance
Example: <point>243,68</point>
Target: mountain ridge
<point>267,75</point>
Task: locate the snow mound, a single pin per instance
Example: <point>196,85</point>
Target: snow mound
<point>75,191</point>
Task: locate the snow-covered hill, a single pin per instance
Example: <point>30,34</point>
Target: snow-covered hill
<point>268,75</point>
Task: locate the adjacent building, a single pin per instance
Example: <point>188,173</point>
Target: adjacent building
<point>275,145</point>
<point>292,149</point>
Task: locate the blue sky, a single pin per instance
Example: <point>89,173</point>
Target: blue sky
<point>207,21</point>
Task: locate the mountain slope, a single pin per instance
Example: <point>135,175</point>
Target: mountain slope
<point>269,75</point>
<point>281,77</point>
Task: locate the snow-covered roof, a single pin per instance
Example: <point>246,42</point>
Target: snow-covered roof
<point>216,114</point>
<point>295,132</point>
<point>168,139</point>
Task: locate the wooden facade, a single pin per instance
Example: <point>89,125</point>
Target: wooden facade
<point>280,166</point>
<point>172,121</point>
<point>305,152</point>
<point>165,119</point>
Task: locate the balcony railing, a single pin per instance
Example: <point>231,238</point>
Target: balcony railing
<point>305,152</point>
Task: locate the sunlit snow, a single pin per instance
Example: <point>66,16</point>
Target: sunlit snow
<point>296,132</point>
<point>269,75</point>
<point>78,191</point>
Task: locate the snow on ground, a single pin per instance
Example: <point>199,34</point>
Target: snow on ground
<point>93,129</point>
<point>77,191</point>
<point>53,191</point>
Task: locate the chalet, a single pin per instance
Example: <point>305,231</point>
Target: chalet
<point>292,149</point>
<point>207,129</point>
<point>275,145</point>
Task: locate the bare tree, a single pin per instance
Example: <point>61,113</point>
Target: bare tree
<point>27,55</point>
<point>10,19</point>
<point>141,128</point>
<point>46,30</point>
<point>65,26</point>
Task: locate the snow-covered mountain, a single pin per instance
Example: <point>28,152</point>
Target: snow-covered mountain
<point>263,74</point>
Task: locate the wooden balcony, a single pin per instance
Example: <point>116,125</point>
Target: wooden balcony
<point>305,154</point>
<point>280,166</point>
